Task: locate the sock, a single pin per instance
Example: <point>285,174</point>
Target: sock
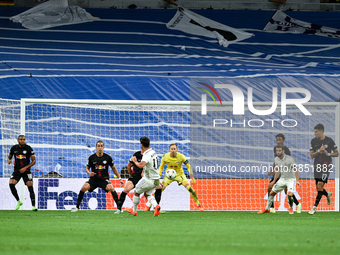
<point>121,200</point>
<point>148,204</point>
<point>295,200</point>
<point>318,198</point>
<point>193,194</point>
<point>14,191</point>
<point>152,200</point>
<point>32,195</point>
<point>290,201</point>
<point>158,195</point>
<point>135,203</point>
<point>272,205</point>
<point>324,192</point>
<point>269,202</point>
<point>115,197</point>
<point>80,198</point>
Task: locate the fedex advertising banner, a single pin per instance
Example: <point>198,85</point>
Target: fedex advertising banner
<point>62,193</point>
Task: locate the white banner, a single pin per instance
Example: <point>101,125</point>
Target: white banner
<point>192,23</point>
<point>52,13</point>
<point>62,193</point>
<point>280,22</point>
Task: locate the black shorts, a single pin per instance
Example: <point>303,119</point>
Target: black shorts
<point>134,179</point>
<point>321,175</point>
<point>98,183</point>
<point>26,176</point>
<point>324,180</point>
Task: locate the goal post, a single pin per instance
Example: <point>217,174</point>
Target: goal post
<point>337,160</point>
<point>9,131</point>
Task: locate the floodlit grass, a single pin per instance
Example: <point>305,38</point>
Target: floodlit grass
<point>103,232</point>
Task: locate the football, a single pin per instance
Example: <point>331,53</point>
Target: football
<point>170,174</point>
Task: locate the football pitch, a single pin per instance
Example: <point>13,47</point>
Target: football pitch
<point>191,233</point>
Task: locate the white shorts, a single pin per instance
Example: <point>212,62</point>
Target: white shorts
<point>285,183</point>
<point>146,185</point>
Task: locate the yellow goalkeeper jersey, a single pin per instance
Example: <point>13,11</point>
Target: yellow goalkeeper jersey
<point>174,163</point>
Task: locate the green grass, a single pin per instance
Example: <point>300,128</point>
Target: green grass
<point>191,233</point>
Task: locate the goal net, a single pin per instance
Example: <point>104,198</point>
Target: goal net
<point>10,129</point>
<point>63,134</point>
<point>230,158</point>
<point>232,154</point>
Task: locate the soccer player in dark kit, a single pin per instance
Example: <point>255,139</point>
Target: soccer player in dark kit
<point>321,150</point>
<point>98,169</point>
<point>135,175</point>
<point>24,159</point>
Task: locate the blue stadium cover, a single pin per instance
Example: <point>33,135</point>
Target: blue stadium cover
<point>131,54</point>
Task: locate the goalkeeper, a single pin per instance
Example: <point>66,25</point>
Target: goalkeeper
<point>174,160</point>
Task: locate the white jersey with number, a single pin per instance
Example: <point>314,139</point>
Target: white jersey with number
<point>151,167</point>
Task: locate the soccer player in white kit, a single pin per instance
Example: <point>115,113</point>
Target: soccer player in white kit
<point>150,179</point>
<point>285,165</point>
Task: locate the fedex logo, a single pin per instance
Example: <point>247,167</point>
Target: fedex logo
<point>238,100</point>
<point>61,198</point>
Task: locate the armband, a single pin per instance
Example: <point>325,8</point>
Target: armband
<point>318,151</point>
<point>120,178</point>
<point>328,154</point>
